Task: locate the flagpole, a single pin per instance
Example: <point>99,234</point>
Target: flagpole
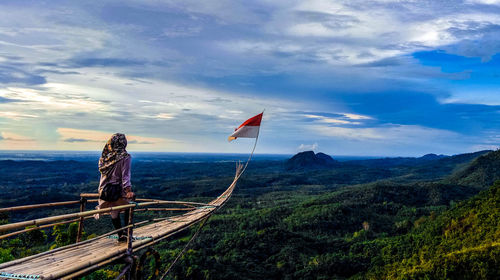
<point>251,154</point>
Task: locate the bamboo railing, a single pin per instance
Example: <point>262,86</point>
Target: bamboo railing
<point>34,206</point>
<point>79,216</point>
<point>83,263</point>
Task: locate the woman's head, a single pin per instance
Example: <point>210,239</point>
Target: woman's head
<point>117,142</point>
<point>113,152</point>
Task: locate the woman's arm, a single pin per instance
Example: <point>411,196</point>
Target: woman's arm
<point>126,173</point>
<point>126,184</point>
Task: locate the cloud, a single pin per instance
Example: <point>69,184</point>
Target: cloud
<point>16,115</point>
<point>329,120</point>
<point>72,140</point>
<point>81,135</point>
<point>6,100</point>
<point>104,62</point>
<point>390,133</point>
<point>17,75</point>
<point>306,147</point>
<point>14,137</point>
<point>336,118</point>
<point>181,31</point>
<point>140,142</point>
<point>486,2</point>
<point>98,138</point>
<point>55,71</point>
<point>53,96</point>
<point>165,116</point>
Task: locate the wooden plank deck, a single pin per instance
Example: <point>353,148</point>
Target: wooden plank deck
<point>70,261</point>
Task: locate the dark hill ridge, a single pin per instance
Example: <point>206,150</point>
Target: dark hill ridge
<point>308,159</point>
<point>482,172</point>
<point>424,160</point>
<point>432,157</point>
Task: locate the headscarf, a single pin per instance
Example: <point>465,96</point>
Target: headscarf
<point>113,152</point>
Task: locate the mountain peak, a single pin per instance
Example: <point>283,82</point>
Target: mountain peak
<point>309,159</point>
<point>432,157</point>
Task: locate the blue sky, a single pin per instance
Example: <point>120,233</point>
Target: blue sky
<point>379,78</point>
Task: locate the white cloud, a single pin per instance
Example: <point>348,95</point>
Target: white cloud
<point>52,97</point>
<point>16,115</point>
<point>487,2</point>
<point>15,141</point>
<point>473,96</point>
<point>306,147</point>
<point>72,138</point>
<point>343,118</point>
<point>9,136</point>
<point>165,116</point>
<point>181,31</point>
<point>389,133</point>
<point>482,147</point>
<point>323,119</point>
<point>341,32</point>
<point>357,117</point>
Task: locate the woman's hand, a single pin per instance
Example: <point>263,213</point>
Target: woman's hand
<point>129,194</point>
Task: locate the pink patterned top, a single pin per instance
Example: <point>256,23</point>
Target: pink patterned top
<point>119,174</point>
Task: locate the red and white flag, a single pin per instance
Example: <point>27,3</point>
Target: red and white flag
<point>248,129</point>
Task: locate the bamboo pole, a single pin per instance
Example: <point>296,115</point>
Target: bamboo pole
<point>52,204</point>
<point>63,217</point>
<point>128,270</point>
<point>187,203</point>
<point>89,195</point>
<point>40,227</point>
<point>130,239</point>
<point>83,202</point>
<point>96,195</point>
<point>33,206</point>
<point>164,209</point>
<point>88,213</point>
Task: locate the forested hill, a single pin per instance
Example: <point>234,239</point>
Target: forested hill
<point>483,171</point>
<point>462,243</point>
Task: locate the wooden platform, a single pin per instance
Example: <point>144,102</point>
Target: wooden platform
<point>80,259</point>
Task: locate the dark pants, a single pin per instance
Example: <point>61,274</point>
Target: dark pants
<point>117,224</point>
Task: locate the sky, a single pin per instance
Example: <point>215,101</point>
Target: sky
<point>370,78</point>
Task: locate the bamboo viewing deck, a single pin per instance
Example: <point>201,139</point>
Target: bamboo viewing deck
<point>83,257</point>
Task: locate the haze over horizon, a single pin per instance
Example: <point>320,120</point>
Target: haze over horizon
<point>367,78</point>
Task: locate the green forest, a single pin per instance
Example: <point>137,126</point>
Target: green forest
<point>398,218</point>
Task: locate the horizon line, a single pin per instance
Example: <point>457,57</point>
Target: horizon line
<point>225,153</point>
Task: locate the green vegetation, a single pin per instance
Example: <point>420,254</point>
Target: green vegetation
<point>482,172</point>
<point>400,219</point>
<point>462,243</point>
